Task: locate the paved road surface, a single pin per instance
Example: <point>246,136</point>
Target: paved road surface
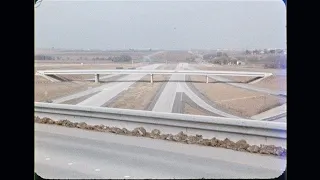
<point>167,101</point>
<point>274,112</point>
<point>107,91</point>
<point>167,97</point>
<point>62,152</point>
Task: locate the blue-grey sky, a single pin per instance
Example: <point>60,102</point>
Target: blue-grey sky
<point>160,24</point>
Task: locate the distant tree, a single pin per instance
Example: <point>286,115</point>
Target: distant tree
<point>219,54</point>
<point>248,52</point>
<point>217,61</point>
<point>225,61</point>
<point>256,51</point>
<point>279,51</point>
<point>209,56</point>
<point>122,58</point>
<point>272,51</point>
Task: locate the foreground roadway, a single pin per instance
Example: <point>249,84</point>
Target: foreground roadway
<point>62,152</point>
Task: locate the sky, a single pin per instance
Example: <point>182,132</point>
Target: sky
<point>104,24</point>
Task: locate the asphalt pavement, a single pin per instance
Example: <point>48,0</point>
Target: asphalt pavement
<point>62,152</point>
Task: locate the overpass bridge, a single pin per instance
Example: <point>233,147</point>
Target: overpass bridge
<point>97,73</point>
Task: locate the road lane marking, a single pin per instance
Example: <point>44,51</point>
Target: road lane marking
<point>97,170</point>
<point>47,158</point>
<point>126,176</point>
<point>70,164</point>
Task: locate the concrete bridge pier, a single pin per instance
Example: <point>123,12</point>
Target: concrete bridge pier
<point>151,78</point>
<point>96,78</point>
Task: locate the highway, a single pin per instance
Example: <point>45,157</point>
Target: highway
<point>62,152</point>
<point>167,97</point>
<point>277,114</point>
<point>113,89</point>
<point>107,91</point>
<point>167,102</point>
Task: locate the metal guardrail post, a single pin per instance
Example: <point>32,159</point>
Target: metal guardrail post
<point>207,79</point>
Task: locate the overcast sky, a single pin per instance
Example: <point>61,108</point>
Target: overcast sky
<point>160,25</point>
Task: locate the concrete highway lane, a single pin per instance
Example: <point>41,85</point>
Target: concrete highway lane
<point>105,87</point>
<point>167,97</point>
<point>62,152</point>
<point>113,89</point>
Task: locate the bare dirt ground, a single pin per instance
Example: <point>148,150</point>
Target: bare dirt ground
<point>89,55</point>
<point>191,110</point>
<point>47,90</point>
<point>273,83</point>
<point>45,66</point>
<point>240,79</point>
<point>238,101</point>
<point>172,56</point>
<point>276,82</point>
<point>141,93</point>
<point>238,68</point>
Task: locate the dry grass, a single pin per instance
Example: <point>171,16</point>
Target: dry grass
<point>46,66</point>
<point>193,111</point>
<point>238,68</point>
<point>140,94</point>
<point>240,79</point>
<point>239,101</point>
<point>39,79</point>
<point>51,90</point>
<point>172,56</point>
<point>273,83</point>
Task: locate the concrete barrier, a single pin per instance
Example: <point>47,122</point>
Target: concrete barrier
<point>254,132</point>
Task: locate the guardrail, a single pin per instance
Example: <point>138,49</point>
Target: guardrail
<point>254,132</point>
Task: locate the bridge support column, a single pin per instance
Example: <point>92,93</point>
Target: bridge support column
<point>96,78</point>
<point>151,78</point>
<point>207,79</point>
